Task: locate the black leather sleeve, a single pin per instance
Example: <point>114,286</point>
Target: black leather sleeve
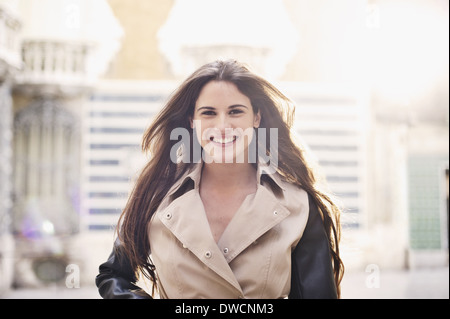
<point>312,273</point>
<point>116,279</point>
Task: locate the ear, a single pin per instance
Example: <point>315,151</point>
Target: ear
<point>191,122</point>
<point>257,120</point>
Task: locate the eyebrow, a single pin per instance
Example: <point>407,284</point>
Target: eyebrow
<point>213,108</point>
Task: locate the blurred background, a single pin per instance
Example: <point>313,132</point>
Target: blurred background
<point>81,80</point>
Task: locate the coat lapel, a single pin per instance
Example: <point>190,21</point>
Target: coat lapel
<point>253,219</point>
<point>185,217</point>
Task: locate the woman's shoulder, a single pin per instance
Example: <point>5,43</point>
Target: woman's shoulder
<point>290,195</point>
<point>295,196</point>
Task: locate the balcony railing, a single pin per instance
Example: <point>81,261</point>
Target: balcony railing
<point>60,64</point>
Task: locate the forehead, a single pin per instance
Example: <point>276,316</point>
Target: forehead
<point>221,94</point>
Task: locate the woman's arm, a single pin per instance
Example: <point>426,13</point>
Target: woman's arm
<point>312,272</point>
<point>116,278</point>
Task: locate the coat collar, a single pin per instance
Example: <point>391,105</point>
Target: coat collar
<point>195,172</point>
<point>191,227</point>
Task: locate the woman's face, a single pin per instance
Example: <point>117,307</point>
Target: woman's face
<point>224,121</point>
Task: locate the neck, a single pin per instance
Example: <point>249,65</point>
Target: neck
<point>228,176</point>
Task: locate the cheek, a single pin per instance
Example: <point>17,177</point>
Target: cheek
<point>197,126</point>
<point>203,131</point>
<point>246,137</point>
<point>198,133</point>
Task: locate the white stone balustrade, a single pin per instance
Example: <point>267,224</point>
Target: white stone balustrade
<point>55,63</point>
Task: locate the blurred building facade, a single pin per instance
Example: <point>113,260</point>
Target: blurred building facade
<point>75,102</point>
<point>10,62</point>
<point>52,54</point>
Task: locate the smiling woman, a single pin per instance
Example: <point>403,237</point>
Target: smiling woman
<point>222,114</point>
<point>221,227</point>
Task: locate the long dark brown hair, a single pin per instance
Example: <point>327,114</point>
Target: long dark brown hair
<point>160,173</point>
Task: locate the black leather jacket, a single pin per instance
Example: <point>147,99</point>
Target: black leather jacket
<point>311,276</point>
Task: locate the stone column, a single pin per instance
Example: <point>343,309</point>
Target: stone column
<point>388,201</point>
<point>6,241</point>
<point>10,26</point>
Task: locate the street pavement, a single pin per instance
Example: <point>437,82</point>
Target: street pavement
<point>430,283</point>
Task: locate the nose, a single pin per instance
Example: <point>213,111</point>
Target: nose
<point>222,122</point>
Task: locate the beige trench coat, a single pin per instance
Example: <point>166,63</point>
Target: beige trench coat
<point>252,258</point>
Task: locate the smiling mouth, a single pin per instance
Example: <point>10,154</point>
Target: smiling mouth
<point>223,141</point>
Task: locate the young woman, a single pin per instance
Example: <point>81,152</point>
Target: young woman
<point>239,218</point>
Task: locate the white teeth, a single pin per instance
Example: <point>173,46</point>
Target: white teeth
<point>225,140</point>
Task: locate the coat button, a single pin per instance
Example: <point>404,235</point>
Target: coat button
<point>275,213</point>
<point>208,254</point>
<point>168,215</point>
<point>225,250</point>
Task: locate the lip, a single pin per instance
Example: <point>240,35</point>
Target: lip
<point>223,141</point>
